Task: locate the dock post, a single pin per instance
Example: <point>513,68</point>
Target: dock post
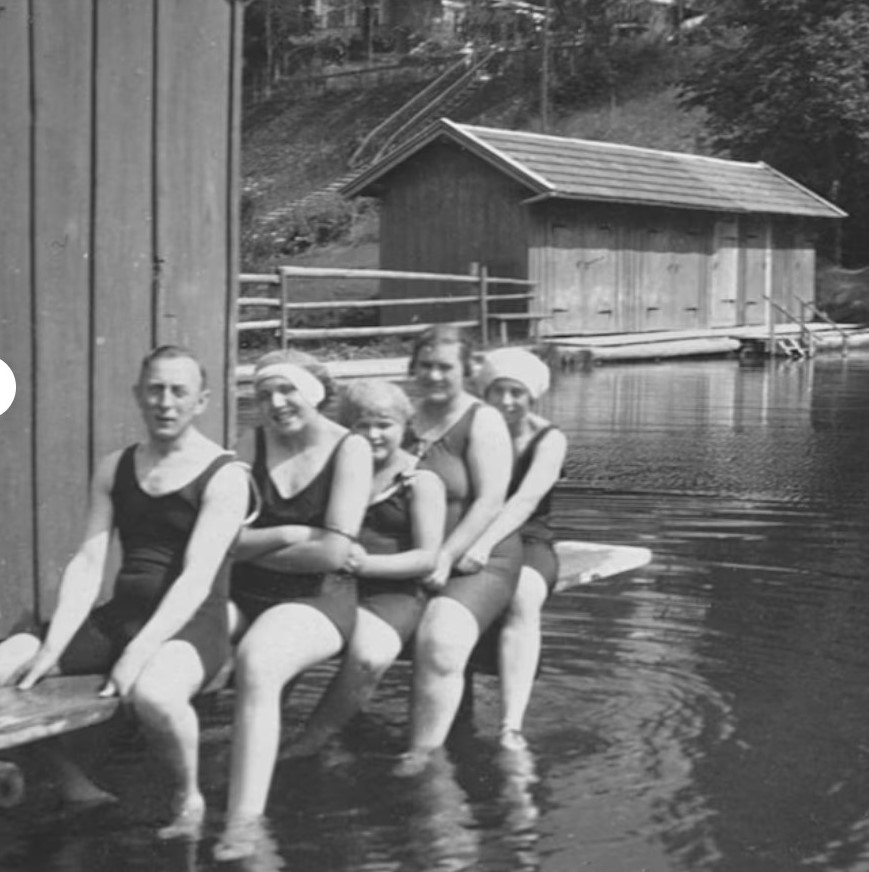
<point>284,295</point>
<point>483,273</point>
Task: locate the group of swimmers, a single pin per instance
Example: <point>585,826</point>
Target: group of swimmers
<point>393,526</point>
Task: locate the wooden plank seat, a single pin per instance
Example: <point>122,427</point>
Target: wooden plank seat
<point>53,707</point>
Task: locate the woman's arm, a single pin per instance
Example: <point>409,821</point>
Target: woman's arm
<point>328,549</point>
<point>428,512</point>
<point>542,474</point>
<point>257,542</point>
<point>489,458</point>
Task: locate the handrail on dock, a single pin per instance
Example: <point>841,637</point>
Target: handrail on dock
<point>808,304</point>
<point>805,335</point>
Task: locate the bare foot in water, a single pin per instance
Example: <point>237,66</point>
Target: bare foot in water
<point>415,762</point>
<point>76,789</point>
<point>242,838</point>
<point>188,820</point>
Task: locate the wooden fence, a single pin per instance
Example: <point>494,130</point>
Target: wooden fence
<point>479,281</point>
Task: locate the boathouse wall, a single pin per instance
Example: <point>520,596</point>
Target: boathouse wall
<point>441,212</point>
<point>118,167</point>
<point>608,268</point>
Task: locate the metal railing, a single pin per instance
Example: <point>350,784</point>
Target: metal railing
<point>808,304</point>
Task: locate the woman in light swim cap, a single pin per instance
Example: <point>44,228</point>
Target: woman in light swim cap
<point>513,380</point>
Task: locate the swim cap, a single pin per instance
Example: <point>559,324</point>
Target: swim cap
<point>308,385</point>
<point>517,364</point>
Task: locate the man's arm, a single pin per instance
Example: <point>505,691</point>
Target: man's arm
<point>82,578</point>
<point>224,505</point>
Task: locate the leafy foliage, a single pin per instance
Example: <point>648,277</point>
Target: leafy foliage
<point>787,82</point>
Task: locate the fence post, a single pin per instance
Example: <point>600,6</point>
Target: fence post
<point>284,295</point>
<point>483,274</point>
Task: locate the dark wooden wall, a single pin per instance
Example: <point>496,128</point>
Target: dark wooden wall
<point>118,169</point>
<point>442,210</point>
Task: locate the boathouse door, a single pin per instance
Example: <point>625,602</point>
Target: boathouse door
<point>584,278</point>
<point>724,273</point>
<point>751,306</point>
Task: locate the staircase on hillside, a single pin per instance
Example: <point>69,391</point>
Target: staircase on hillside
<point>441,98</point>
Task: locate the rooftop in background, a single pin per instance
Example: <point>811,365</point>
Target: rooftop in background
<point>578,169</point>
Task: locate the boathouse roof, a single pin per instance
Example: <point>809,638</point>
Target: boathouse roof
<point>581,169</point>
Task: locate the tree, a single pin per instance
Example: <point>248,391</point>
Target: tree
<point>787,82</point>
<point>269,26</point>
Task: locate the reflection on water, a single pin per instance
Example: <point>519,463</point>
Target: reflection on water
<point>710,712</point>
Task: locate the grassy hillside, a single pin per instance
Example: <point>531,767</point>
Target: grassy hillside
<point>294,145</point>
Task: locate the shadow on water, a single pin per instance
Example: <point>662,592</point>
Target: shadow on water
<point>710,712</point>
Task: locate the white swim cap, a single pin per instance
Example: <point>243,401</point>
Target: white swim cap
<point>517,364</point>
<point>307,384</point>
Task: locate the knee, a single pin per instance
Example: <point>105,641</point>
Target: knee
<point>523,611</point>
<point>369,666</point>
<point>255,669</point>
<point>527,602</point>
<point>156,700</point>
<point>442,654</point>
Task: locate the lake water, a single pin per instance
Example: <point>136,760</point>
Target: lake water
<point>710,712</point>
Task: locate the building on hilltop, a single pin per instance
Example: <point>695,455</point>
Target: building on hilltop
<point>618,239</point>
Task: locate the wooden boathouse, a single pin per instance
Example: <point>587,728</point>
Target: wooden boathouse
<point>118,167</point>
<point>617,239</point>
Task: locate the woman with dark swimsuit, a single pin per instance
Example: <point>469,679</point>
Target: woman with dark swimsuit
<point>467,444</point>
<point>314,478</point>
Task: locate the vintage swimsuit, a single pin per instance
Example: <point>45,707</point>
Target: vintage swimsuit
<point>255,589</point>
<point>154,532</point>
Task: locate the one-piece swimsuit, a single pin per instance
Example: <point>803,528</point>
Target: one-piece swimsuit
<point>255,589</point>
<point>537,538</point>
<point>488,592</point>
<point>154,532</point>
<point>387,529</point>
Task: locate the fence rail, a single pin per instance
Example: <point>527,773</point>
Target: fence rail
<point>479,278</point>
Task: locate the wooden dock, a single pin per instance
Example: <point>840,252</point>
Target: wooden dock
<point>788,340</point>
<point>576,351</point>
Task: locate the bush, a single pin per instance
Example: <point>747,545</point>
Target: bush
<point>319,219</point>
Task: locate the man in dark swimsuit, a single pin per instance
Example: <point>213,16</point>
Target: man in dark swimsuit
<point>177,501</point>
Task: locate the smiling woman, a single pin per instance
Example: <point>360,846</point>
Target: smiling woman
<point>314,477</point>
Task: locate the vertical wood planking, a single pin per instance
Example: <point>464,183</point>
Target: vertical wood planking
<point>122,215</point>
<point>62,40</point>
<point>192,149</point>
<point>233,197</point>
<point>17,570</point>
<point>752,271</point>
<point>723,272</point>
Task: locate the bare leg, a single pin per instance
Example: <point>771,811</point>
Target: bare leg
<point>237,622</point>
<point>162,699</point>
<point>519,654</point>
<point>16,655</point>
<point>282,643</point>
<point>75,786</point>
<point>445,638</point>
<point>373,648</point>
